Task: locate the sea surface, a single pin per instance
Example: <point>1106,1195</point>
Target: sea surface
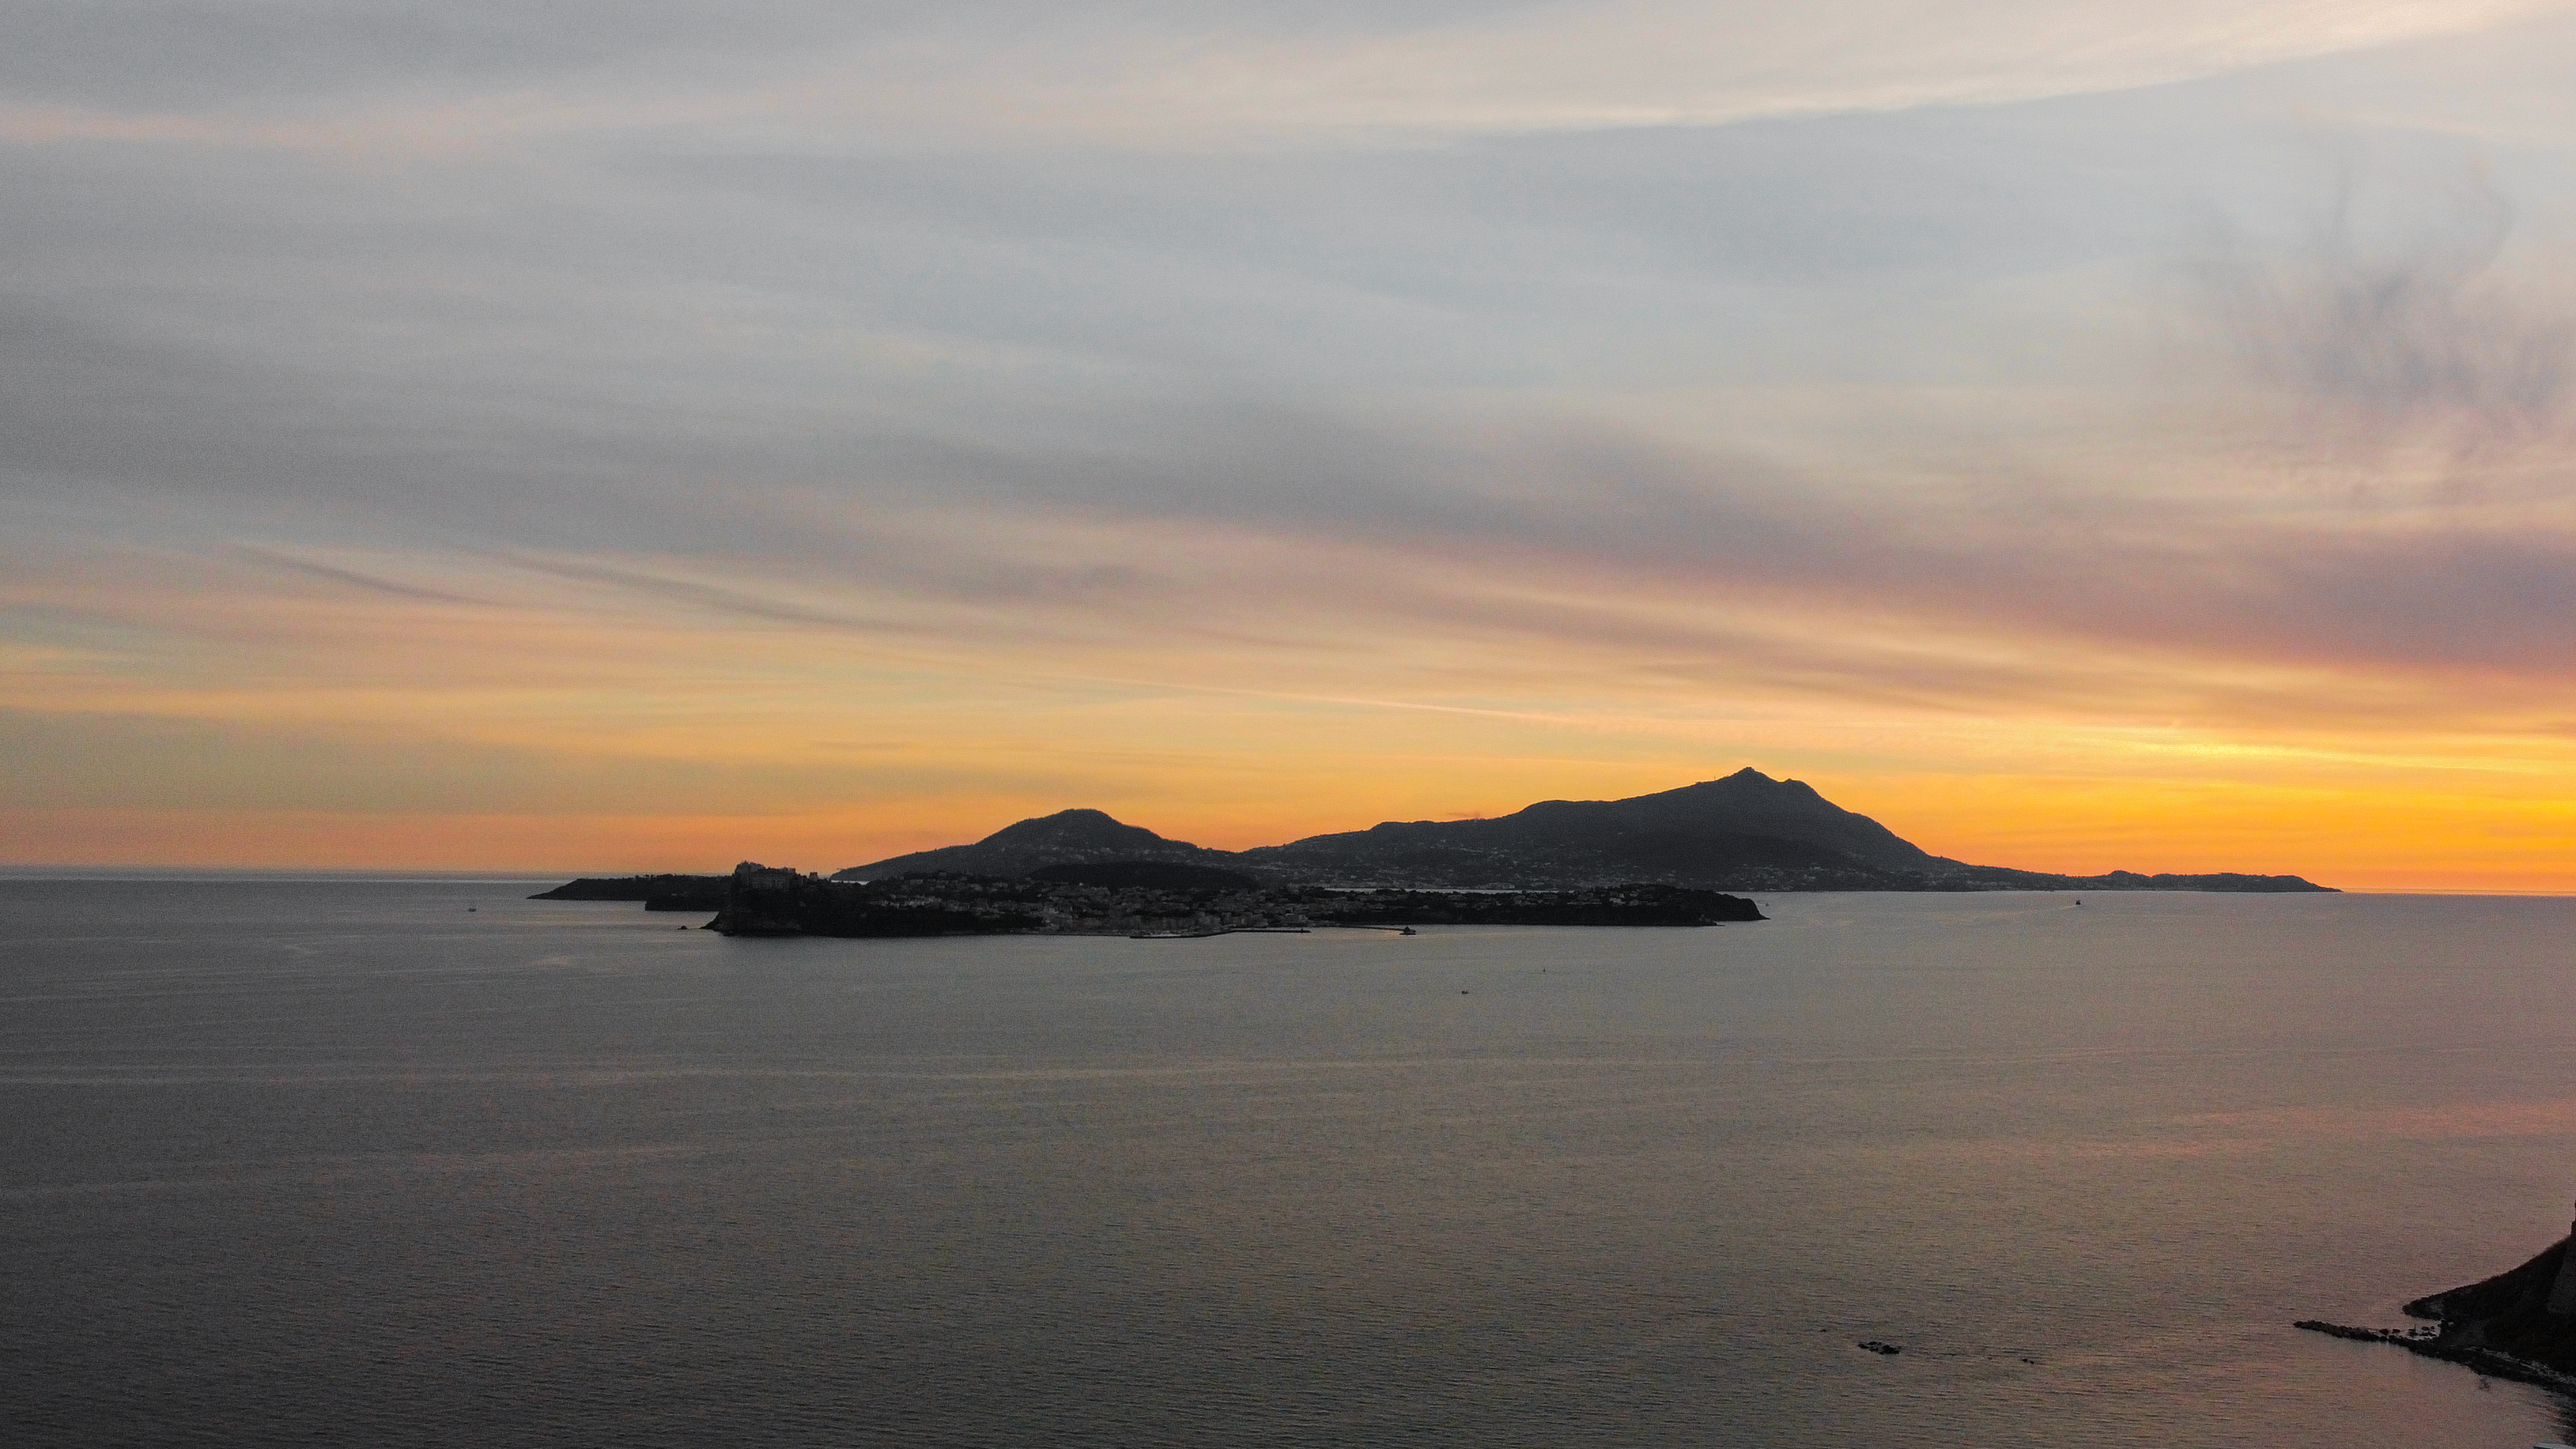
<point>419,1163</point>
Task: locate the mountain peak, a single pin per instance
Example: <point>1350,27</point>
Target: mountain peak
<point>1742,829</point>
<point>1068,823</point>
<point>1751,779</point>
<point>1077,836</point>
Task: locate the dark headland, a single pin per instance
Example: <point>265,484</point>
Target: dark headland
<point>2519,1324</point>
<point>1667,859</point>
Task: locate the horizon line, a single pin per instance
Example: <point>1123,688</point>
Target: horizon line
<point>212,874</point>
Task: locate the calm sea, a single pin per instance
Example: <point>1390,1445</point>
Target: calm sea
<point>349,1163</point>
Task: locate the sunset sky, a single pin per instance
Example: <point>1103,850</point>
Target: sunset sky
<point>634,436</point>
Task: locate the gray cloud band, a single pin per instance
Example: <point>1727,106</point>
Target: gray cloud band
<point>643,346</point>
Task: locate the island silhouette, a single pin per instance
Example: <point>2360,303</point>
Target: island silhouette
<point>1747,831</point>
<point>1666,859</point>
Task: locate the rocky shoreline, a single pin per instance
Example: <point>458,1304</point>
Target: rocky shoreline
<point>2518,1325</point>
<point>2493,1363</point>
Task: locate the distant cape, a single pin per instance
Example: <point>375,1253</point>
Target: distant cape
<point>1744,832</point>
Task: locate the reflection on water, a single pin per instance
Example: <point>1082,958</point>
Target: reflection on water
<point>335,1162</point>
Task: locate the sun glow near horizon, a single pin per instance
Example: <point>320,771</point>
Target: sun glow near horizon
<point>390,730</point>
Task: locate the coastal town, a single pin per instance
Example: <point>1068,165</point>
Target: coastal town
<point>1128,898</point>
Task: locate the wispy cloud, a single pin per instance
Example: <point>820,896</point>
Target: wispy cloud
<point>474,76</point>
<point>352,578</point>
<point>2396,313</point>
<point>718,599</point>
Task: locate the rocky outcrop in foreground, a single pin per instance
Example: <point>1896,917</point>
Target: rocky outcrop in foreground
<point>2519,1324</point>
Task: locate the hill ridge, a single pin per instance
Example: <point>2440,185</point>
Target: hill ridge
<point>1738,832</point>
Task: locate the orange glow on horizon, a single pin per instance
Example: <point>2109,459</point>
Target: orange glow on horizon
<point>233,718</point>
